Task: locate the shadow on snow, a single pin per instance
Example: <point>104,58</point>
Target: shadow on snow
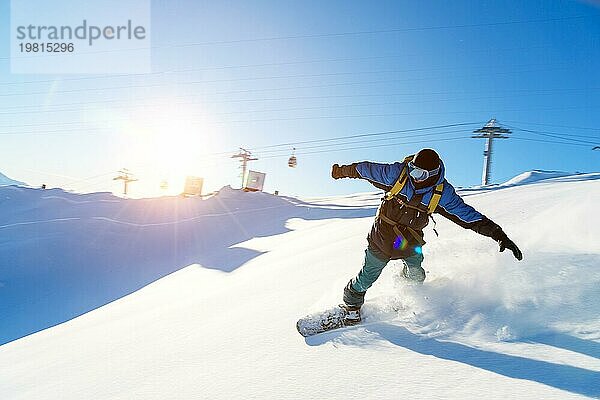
<point>62,255</point>
<point>564,377</point>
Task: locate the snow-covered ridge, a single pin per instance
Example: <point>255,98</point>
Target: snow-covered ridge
<point>223,327</point>
<point>6,181</point>
<point>534,177</point>
<point>539,175</point>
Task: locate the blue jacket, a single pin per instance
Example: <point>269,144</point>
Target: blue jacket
<point>384,240</point>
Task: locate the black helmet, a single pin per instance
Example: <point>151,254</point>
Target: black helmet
<point>427,159</point>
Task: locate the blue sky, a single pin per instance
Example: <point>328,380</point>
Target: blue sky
<point>268,73</point>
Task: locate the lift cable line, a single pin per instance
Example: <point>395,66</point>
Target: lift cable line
<point>35,109</point>
<point>551,142</point>
<point>555,135</point>
<point>340,146</point>
<point>253,111</point>
<point>196,82</point>
<point>329,147</point>
<point>272,64</point>
<point>295,144</point>
<point>559,126</point>
<point>282,156</point>
<point>378,31</point>
<point>334,146</point>
<point>189,100</point>
<point>380,139</point>
<point>283,152</point>
<point>343,34</point>
<point>461,137</point>
<point>91,130</point>
<point>272,77</point>
<point>370,94</point>
<point>302,118</point>
<point>563,136</point>
<point>285,118</point>
<point>287,145</point>
<point>83,124</point>
<point>323,85</point>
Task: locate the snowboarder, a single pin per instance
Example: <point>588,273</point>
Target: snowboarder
<point>415,188</point>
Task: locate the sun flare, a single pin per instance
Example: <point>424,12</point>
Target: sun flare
<point>166,144</point>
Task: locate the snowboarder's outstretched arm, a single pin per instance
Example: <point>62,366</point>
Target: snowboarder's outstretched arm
<point>382,176</point>
<point>453,207</point>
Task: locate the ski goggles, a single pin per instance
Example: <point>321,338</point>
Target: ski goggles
<point>420,174</point>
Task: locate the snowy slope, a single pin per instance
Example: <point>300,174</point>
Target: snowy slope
<point>6,181</point>
<point>536,176</point>
<point>223,328</point>
<point>63,254</point>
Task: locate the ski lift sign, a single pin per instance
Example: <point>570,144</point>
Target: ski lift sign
<point>255,181</point>
<point>193,186</point>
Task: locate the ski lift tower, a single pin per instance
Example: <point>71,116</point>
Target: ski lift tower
<point>490,131</point>
<point>126,177</point>
<point>244,156</point>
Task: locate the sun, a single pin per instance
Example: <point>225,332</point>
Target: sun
<point>166,144</point>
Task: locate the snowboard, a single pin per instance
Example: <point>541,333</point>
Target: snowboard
<point>323,321</point>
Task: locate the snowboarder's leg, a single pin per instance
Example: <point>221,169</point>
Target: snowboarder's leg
<point>353,298</point>
<point>354,292</point>
<point>412,268</point>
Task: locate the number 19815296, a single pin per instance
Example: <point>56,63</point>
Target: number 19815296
<point>46,47</point>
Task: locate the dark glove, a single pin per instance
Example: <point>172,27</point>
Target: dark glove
<point>344,171</point>
<point>506,243</point>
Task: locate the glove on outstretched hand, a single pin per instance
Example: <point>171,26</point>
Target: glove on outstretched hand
<point>344,171</point>
<point>506,243</point>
